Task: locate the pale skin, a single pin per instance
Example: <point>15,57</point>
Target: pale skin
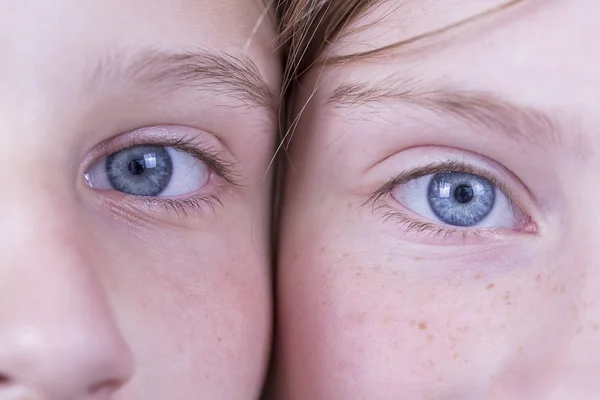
<point>107,295</point>
<point>370,309</point>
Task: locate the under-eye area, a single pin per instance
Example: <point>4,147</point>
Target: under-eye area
<point>161,166</point>
<point>451,198</point>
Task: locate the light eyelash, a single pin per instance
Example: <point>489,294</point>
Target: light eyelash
<point>196,204</point>
<point>431,228</point>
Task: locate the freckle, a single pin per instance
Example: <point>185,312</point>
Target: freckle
<point>345,255</point>
<point>395,273</point>
<point>350,205</point>
<point>538,277</point>
<point>520,350</point>
<point>455,356</point>
<point>478,277</point>
<point>490,286</point>
<point>219,339</point>
<point>295,256</point>
<point>413,322</point>
<point>422,325</point>
<point>417,258</point>
<point>431,363</point>
<point>562,288</point>
<point>440,379</point>
<point>377,268</point>
<point>389,259</point>
<point>595,327</point>
<point>431,338</point>
<point>323,249</point>
<point>579,330</point>
<point>506,295</point>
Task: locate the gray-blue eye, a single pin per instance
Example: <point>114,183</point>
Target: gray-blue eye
<point>149,171</point>
<point>461,199</point>
<point>140,170</point>
<point>457,199</point>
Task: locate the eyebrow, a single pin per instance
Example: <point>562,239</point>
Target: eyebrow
<point>480,108</point>
<point>219,73</point>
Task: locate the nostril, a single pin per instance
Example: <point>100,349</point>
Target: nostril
<point>104,388</point>
<point>4,379</point>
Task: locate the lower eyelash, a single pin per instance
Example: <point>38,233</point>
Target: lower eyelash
<point>429,229</point>
<point>198,205</point>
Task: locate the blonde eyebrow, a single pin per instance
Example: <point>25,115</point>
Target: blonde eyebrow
<point>217,73</point>
<point>481,108</point>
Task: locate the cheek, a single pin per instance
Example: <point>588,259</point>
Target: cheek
<point>195,314</point>
<point>357,328</point>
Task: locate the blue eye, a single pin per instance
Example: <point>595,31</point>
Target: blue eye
<point>149,171</point>
<point>457,199</point>
<point>461,199</point>
<point>140,170</point>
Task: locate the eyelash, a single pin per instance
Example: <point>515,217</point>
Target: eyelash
<point>410,224</point>
<point>195,204</point>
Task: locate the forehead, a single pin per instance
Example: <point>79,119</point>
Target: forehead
<point>545,49</point>
<point>55,35</point>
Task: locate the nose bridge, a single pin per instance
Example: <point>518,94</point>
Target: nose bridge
<point>58,337</point>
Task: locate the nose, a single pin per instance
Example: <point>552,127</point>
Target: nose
<point>58,337</point>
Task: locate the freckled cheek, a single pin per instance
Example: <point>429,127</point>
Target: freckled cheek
<point>363,325</point>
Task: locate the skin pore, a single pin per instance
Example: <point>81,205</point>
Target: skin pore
<point>113,295</point>
<point>378,298</point>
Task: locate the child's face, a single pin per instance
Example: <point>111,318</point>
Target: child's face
<point>404,271</point>
<point>164,289</point>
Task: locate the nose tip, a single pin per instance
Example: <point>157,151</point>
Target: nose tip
<point>62,366</point>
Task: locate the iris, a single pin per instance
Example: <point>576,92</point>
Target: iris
<point>143,170</point>
<point>461,199</point>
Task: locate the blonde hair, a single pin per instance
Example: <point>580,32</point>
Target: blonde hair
<point>307,27</point>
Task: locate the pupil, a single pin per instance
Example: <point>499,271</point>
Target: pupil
<point>137,167</point>
<point>463,194</point>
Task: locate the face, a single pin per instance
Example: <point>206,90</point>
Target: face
<point>441,227</point>
<point>135,137</point>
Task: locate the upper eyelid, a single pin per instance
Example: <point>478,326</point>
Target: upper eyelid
<point>224,168</point>
<point>433,168</point>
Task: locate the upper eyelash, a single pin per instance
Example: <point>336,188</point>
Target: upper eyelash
<point>432,228</point>
<point>195,203</point>
<point>435,168</point>
<point>225,169</point>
